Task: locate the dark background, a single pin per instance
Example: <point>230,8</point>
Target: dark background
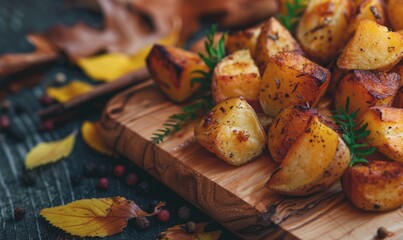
<point>53,186</point>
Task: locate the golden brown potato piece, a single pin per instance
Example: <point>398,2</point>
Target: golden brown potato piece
<point>273,39</point>
<point>291,80</point>
<point>366,89</point>
<point>314,162</point>
<point>386,126</point>
<point>395,13</point>
<point>322,29</point>
<point>232,131</point>
<point>172,69</point>
<point>286,128</point>
<point>398,102</point>
<point>244,39</point>
<point>373,47</point>
<point>237,76</point>
<point>376,186</point>
<point>373,10</point>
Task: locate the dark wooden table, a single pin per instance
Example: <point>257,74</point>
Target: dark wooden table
<point>53,186</point>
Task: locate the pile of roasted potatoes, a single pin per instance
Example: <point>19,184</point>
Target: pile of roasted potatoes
<point>267,87</point>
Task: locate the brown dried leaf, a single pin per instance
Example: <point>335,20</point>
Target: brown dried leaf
<point>125,30</point>
<point>15,62</point>
<point>178,233</point>
<point>95,217</point>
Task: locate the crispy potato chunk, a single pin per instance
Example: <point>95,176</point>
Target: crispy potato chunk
<point>172,70</point>
<point>244,39</point>
<point>273,39</point>
<point>394,9</point>
<point>376,186</point>
<point>232,131</point>
<point>373,10</point>
<point>286,128</point>
<point>237,76</point>
<point>366,89</point>
<point>373,47</point>
<point>386,126</point>
<point>291,80</point>
<point>314,162</point>
<point>321,30</point>
<point>398,102</point>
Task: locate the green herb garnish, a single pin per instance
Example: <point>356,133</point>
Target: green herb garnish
<point>203,102</point>
<point>295,9</point>
<point>353,134</point>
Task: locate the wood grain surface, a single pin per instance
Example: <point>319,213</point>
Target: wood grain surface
<point>234,196</point>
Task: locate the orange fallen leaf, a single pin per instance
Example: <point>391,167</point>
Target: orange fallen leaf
<point>178,232</point>
<point>95,217</point>
<point>49,152</point>
<point>69,91</point>
<point>90,133</point>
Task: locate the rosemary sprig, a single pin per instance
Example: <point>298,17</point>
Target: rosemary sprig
<point>353,134</point>
<point>295,9</point>
<point>203,102</point>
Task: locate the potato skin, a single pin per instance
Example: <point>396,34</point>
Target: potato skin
<point>172,69</point>
<point>314,162</point>
<point>373,10</point>
<point>386,126</point>
<point>376,186</point>
<point>232,131</point>
<point>244,39</point>
<point>237,76</point>
<point>366,89</point>
<point>373,47</point>
<point>321,30</point>
<point>395,12</point>
<point>398,102</point>
<point>274,38</point>
<point>291,80</point>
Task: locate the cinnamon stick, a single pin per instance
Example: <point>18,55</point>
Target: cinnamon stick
<point>98,94</point>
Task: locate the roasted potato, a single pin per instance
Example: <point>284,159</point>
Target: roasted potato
<point>237,76</point>
<point>172,69</point>
<point>321,30</point>
<point>366,89</point>
<point>291,80</point>
<point>232,131</point>
<point>373,10</point>
<point>273,39</point>
<point>376,186</point>
<point>394,9</point>
<point>398,102</point>
<point>244,39</point>
<point>314,162</point>
<point>336,75</point>
<point>386,126</point>
<point>286,128</point>
<point>373,47</point>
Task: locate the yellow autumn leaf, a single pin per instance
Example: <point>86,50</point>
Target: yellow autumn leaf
<point>90,133</point>
<point>49,152</point>
<point>99,217</point>
<point>110,66</point>
<point>69,91</point>
<point>178,232</point>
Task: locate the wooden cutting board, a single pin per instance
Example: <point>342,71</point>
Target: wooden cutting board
<point>234,196</point>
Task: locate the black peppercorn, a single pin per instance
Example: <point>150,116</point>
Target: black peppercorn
<point>75,179</point>
<point>189,227</point>
<point>90,169</point>
<point>19,213</point>
<point>184,213</point>
<point>141,223</point>
<point>28,179</point>
<point>143,188</point>
<point>382,233</point>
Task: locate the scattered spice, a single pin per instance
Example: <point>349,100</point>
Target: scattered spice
<point>184,213</point>
<point>190,227</point>
<point>45,100</point>
<point>143,188</point>
<point>47,126</point>
<point>382,233</point>
<point>4,122</point>
<point>75,179</point>
<point>19,213</point>
<point>141,223</point>
<point>132,179</point>
<point>163,215</point>
<point>103,184</point>
<point>119,171</point>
